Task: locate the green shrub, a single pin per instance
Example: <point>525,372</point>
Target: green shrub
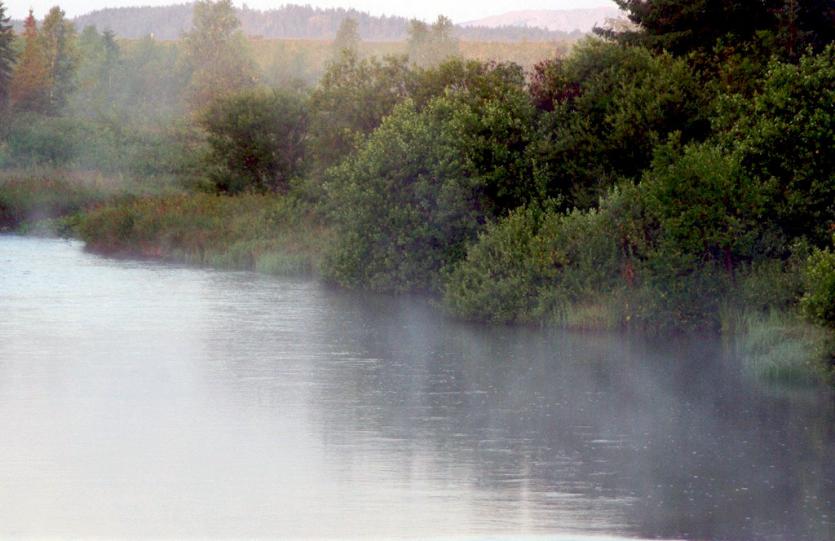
<point>536,265</point>
<point>706,206</point>
<point>35,140</point>
<point>818,302</point>
<point>502,276</point>
<point>403,205</point>
<point>611,106</point>
<point>256,140</point>
<point>426,181</point>
<point>783,137</point>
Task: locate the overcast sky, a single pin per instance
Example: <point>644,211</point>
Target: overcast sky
<point>423,9</point>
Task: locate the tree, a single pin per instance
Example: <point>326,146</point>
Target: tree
<point>98,56</point>
<point>707,207</point>
<point>347,37</point>
<point>784,136</point>
<point>683,26</point>
<point>402,204</point>
<point>58,41</point>
<point>351,100</point>
<point>30,82</point>
<point>111,58</point>
<point>216,51</point>
<point>7,56</point>
<point>257,140</point>
<point>431,45</point>
<point>612,105</point>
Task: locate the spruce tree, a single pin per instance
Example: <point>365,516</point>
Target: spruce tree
<point>58,42</point>
<point>30,81</point>
<point>7,56</point>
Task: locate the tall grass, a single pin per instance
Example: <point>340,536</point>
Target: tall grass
<point>779,346</point>
<point>265,233</point>
<point>33,197</point>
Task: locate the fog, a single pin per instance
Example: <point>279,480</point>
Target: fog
<point>170,401</point>
<point>427,10</point>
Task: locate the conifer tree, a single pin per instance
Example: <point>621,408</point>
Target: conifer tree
<point>30,81</point>
<point>684,26</point>
<point>7,56</point>
<point>58,41</point>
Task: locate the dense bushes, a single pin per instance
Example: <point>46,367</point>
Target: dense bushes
<point>609,107</point>
<point>534,265</point>
<point>256,140</point>
<point>410,198</point>
<point>101,145</point>
<point>672,252</point>
<point>403,205</point>
<point>818,302</point>
<point>784,137</point>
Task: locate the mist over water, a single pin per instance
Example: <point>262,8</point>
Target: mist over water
<point>140,399</point>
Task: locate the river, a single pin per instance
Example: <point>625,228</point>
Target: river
<point>140,399</point>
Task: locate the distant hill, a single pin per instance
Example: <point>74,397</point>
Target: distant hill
<point>564,20</point>
<point>294,21</point>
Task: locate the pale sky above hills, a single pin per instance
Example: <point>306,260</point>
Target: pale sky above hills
<point>423,9</point>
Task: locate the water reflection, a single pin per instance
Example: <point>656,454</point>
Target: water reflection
<point>151,400</point>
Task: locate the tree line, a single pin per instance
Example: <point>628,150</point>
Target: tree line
<point>291,21</point>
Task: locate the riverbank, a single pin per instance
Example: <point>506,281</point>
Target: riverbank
<point>283,235</point>
<point>263,233</point>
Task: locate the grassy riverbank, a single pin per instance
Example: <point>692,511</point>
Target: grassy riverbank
<point>264,233</point>
<point>50,200</point>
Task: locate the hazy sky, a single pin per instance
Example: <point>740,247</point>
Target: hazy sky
<point>424,9</point>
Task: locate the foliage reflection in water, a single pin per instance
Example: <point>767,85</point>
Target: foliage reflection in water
<point>139,399</point>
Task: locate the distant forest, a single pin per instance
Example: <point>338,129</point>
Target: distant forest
<point>290,21</point>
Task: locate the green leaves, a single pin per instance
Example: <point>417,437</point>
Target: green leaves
<point>216,50</point>
<point>402,205</point>
<point>784,136</point>
<point>257,140</point>
<point>611,106</point>
<point>818,302</point>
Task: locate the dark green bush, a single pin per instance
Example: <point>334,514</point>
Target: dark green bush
<point>427,180</point>
<point>818,302</point>
<point>256,140</point>
<point>39,140</point>
<point>706,206</point>
<point>611,106</point>
<point>351,100</point>
<point>784,136</point>
<point>403,206</point>
<point>540,264</point>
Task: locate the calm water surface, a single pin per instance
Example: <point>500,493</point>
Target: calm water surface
<point>140,399</point>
